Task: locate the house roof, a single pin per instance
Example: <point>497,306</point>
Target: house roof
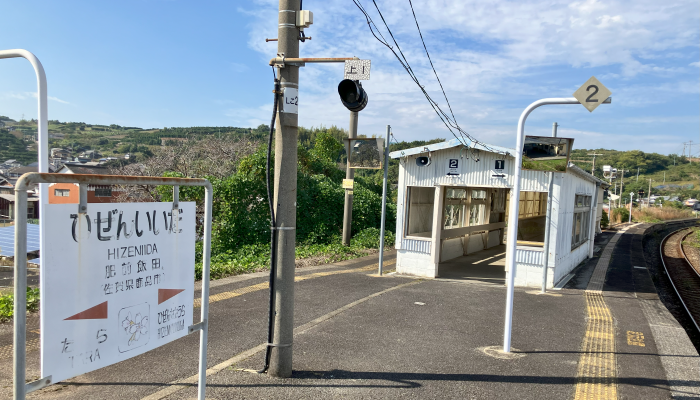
<point>83,169</point>
<point>448,145</point>
<point>11,197</point>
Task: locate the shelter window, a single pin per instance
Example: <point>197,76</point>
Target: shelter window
<point>582,219</point>
<point>419,215</point>
<point>477,207</point>
<point>532,204</point>
<point>532,217</point>
<point>455,208</point>
<point>61,192</point>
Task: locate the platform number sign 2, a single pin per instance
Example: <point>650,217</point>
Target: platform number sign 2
<point>592,94</point>
<point>453,167</point>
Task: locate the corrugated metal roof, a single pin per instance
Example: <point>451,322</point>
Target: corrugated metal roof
<point>448,145</point>
<point>7,239</point>
<point>585,175</point>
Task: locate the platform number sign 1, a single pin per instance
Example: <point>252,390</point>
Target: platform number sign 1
<point>453,167</point>
<point>592,94</point>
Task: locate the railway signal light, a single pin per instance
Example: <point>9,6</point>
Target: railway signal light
<point>352,95</point>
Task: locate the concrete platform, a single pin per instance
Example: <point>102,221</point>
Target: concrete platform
<point>362,336</point>
<point>485,266</point>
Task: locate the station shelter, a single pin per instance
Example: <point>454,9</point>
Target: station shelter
<point>453,210</point>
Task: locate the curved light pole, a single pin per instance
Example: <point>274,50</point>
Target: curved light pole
<point>43,138</point>
<point>514,208</point>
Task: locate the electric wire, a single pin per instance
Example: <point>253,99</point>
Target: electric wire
<point>273,232</point>
<point>431,62</point>
<point>465,138</point>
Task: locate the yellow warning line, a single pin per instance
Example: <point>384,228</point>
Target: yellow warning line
<point>265,285</point>
<point>597,368</point>
<point>6,351</point>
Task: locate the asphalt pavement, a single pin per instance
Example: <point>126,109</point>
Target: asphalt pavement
<point>358,335</point>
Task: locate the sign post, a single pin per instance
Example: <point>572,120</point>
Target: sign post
<point>512,236</point>
<point>384,185</point>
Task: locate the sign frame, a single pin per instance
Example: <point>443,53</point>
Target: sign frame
<point>20,279</point>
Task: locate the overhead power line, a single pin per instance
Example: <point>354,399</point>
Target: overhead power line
<point>449,122</point>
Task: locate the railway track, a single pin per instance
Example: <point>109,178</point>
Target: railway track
<point>684,278</point>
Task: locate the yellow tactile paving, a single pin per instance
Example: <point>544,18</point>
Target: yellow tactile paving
<point>597,368</point>
<point>6,351</point>
<point>265,285</point>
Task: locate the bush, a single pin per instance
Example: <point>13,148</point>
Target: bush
<point>369,238</point>
<point>7,303</point>
<point>604,220</point>
<point>620,215</point>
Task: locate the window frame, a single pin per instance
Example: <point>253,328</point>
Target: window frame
<point>581,222</point>
<point>407,213</point>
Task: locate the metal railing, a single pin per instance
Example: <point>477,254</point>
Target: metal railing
<point>20,266</point>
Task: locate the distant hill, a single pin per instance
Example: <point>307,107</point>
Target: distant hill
<point>13,148</point>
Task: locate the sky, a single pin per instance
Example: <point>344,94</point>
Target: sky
<point>169,63</point>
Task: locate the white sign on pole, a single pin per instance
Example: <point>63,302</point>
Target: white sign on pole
<point>357,70</point>
<point>116,282</point>
<point>290,102</point>
<point>592,94</point>
<point>453,165</point>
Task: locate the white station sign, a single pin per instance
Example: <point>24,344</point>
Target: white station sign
<point>592,94</point>
<point>116,282</point>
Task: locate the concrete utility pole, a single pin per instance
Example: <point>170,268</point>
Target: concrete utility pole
<point>285,196</point>
<point>631,200</point>
<point>594,156</point>
<point>554,129</point>
<point>622,180</point>
<point>349,174</point>
<point>649,194</point>
<point>637,174</point>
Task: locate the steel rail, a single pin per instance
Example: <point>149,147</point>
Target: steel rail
<point>666,269</point>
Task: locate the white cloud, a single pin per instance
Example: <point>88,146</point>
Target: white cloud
<point>493,58</point>
<point>32,95</point>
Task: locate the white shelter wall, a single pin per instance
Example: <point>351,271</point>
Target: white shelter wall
<point>473,173</point>
<point>567,186</point>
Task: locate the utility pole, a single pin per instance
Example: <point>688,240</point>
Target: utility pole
<point>631,200</point>
<point>649,194</point>
<point>285,196</point>
<point>637,174</point>
<point>554,129</point>
<point>690,151</point>
<point>594,156</point>
<point>349,174</point>
<point>622,180</point>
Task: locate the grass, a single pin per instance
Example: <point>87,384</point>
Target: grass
<point>7,303</point>
<point>656,214</point>
<point>254,258</point>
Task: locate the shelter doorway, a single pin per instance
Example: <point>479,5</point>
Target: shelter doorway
<point>474,231</point>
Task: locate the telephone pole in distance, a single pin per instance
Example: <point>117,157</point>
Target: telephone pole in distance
<point>594,154</point>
